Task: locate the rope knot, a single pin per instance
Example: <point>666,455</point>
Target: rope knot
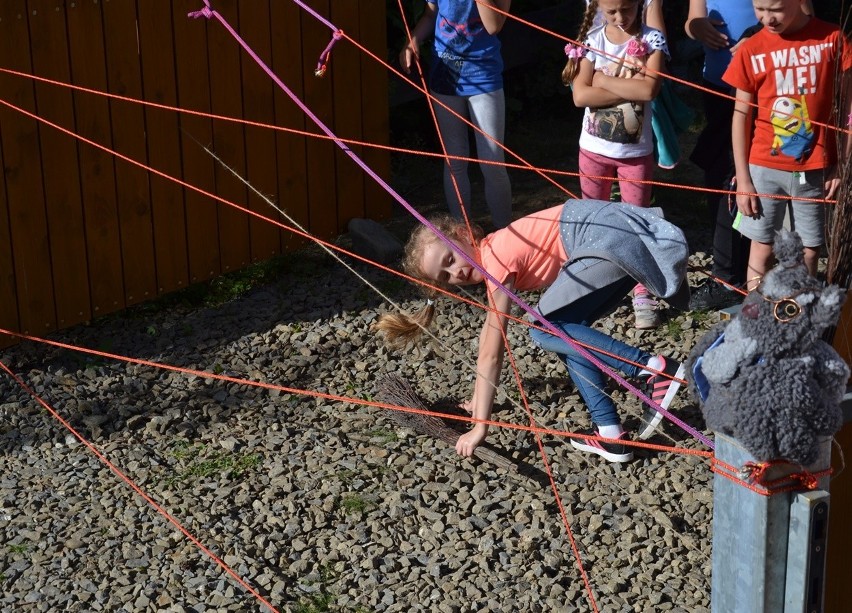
<point>205,12</point>
<point>325,56</point>
<point>807,480</point>
<point>753,471</point>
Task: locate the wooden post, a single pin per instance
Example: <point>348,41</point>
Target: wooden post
<point>752,539</point>
<point>838,568</point>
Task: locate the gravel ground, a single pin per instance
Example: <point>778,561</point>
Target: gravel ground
<point>326,505</point>
<point>323,505</point>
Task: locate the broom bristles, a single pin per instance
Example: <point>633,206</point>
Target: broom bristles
<point>393,389</point>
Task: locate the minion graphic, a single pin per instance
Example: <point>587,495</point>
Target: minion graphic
<point>792,127</point>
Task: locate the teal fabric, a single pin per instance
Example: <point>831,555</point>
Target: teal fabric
<point>670,116</point>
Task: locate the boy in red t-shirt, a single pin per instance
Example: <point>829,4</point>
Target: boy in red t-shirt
<point>788,70</point>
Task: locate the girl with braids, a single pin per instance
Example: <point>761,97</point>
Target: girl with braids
<point>652,15</point>
<point>589,254</point>
<point>616,75</point>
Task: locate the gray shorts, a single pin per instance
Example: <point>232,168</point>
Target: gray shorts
<point>806,218</point>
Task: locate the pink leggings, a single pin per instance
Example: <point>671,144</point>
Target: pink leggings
<point>593,165</point>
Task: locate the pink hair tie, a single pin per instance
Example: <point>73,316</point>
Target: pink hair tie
<point>575,51</point>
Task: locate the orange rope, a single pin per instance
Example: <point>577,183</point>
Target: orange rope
<point>752,476</point>
<point>664,75</point>
<point>260,216</point>
<point>313,394</point>
<point>151,502</point>
<point>355,142</point>
<point>532,428</point>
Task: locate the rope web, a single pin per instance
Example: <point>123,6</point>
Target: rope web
<point>337,252</point>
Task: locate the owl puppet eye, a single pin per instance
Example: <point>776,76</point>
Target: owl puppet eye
<point>785,310</point>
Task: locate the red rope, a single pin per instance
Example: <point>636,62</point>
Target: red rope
<point>415,152</point>
<point>326,396</point>
<point>752,476</point>
<point>130,483</point>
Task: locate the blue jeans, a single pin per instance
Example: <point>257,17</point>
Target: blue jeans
<point>574,321</point>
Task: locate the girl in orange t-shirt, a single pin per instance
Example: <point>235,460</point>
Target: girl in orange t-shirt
<point>533,253</point>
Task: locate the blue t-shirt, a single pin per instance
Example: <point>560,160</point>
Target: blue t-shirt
<point>738,16</point>
<point>466,59</point>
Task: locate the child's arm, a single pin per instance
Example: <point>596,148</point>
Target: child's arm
<point>489,363</point>
<point>642,87</point>
<point>492,20</point>
<point>700,27</point>
<point>585,94</point>
<point>654,16</point>
<point>832,182</point>
<point>747,202</point>
<point>422,31</point>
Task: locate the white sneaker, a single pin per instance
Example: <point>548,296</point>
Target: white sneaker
<point>646,312</point>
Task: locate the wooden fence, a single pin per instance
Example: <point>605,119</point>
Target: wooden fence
<point>84,232</point>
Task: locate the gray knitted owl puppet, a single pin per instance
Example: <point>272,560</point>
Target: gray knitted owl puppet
<point>765,377</point>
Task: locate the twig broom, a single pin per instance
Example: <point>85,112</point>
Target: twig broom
<point>393,389</point>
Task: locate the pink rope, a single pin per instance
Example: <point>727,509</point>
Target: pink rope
<point>325,56</point>
<point>209,13</point>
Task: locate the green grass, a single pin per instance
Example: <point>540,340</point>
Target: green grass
<point>384,435</point>
<point>233,285</point>
<point>201,462</point>
<point>701,317</point>
<point>324,599</point>
<point>20,548</point>
<point>356,504</point>
<point>673,329</point>
<point>316,603</point>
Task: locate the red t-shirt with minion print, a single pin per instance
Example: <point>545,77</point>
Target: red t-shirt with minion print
<point>792,79</point>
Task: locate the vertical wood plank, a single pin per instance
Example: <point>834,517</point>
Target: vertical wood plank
<point>128,130</point>
<point>374,92</point>
<point>291,149</point>
<point>838,569</point>
<point>156,45</point>
<point>120,233</point>
<point>24,180</point>
<point>258,105</point>
<point>228,141</point>
<point>193,93</point>
<point>60,164</point>
<point>322,189</point>
<point>838,572</point>
<point>9,305</point>
<point>97,167</point>
<point>345,70</point>
<point>348,111</point>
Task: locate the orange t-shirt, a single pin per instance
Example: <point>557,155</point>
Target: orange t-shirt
<point>530,247</point>
<point>792,80</point>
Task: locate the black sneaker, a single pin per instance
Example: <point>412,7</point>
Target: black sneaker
<point>661,388</point>
<point>614,452</point>
<point>713,296</point>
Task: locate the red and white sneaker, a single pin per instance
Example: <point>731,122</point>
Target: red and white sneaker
<point>614,452</point>
<point>661,388</point>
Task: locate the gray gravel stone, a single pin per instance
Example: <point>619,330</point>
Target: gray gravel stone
<point>311,498</point>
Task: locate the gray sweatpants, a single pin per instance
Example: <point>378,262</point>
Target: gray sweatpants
<point>488,113</point>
